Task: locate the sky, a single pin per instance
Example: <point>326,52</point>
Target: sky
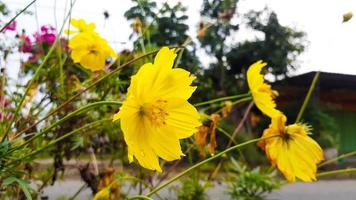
<point>331,43</point>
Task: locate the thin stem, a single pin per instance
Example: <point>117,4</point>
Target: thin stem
<point>38,70</point>
<point>337,158</point>
<point>202,163</point>
<point>78,192</point>
<point>246,99</point>
<point>226,134</point>
<point>222,99</point>
<point>307,98</point>
<point>86,89</point>
<point>18,14</point>
<point>53,142</point>
<point>338,171</point>
<point>237,129</point>
<point>68,116</point>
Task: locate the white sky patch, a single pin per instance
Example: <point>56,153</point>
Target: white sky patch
<point>331,43</point>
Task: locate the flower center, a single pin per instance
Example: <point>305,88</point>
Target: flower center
<point>155,112</point>
<point>92,49</point>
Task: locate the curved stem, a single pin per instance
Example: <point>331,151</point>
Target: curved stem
<point>246,99</point>
<point>74,113</point>
<point>202,163</point>
<point>221,99</point>
<point>34,77</point>
<point>53,142</point>
<point>337,158</point>
<point>18,14</point>
<point>307,98</point>
<point>87,88</point>
<point>339,171</point>
<point>237,129</point>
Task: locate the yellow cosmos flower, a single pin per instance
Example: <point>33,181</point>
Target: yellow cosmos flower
<point>293,152</point>
<point>262,94</point>
<point>90,50</point>
<point>156,113</point>
<point>81,26</point>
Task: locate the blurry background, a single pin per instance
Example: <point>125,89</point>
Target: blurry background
<point>329,41</point>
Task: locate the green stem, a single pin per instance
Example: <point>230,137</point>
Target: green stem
<point>339,171</point>
<point>337,158</point>
<point>34,77</point>
<point>222,99</point>
<point>186,42</point>
<point>86,89</point>
<point>202,163</point>
<point>53,142</point>
<point>226,134</point>
<point>18,14</point>
<point>246,99</point>
<point>307,98</point>
<point>78,192</point>
<point>74,113</point>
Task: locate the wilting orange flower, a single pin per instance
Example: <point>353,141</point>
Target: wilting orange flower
<point>227,108</point>
<point>108,180</point>
<point>215,119</point>
<point>137,25</point>
<point>291,150</point>
<point>200,139</point>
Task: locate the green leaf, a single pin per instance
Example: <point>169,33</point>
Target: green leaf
<point>24,185</point>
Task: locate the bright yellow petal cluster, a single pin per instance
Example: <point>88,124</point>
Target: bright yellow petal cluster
<point>81,26</point>
<point>88,48</point>
<point>294,153</point>
<point>156,113</point>
<point>262,94</point>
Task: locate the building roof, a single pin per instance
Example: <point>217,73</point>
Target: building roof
<point>332,90</point>
<point>326,80</point>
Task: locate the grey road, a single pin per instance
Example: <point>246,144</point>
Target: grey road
<point>323,190</point>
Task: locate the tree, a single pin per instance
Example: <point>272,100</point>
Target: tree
<point>166,28</point>
<point>279,47</point>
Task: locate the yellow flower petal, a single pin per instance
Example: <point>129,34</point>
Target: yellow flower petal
<point>262,94</point>
<point>165,58</point>
<point>182,117</point>
<point>292,151</point>
<point>81,26</point>
<point>137,138</point>
<point>156,113</point>
<point>90,50</point>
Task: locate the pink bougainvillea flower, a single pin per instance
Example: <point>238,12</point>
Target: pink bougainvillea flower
<point>47,35</point>
<point>25,46</point>
<point>11,26</point>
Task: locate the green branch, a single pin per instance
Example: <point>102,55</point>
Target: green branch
<point>337,158</point>
<point>34,77</point>
<point>68,116</point>
<point>222,99</point>
<point>307,98</point>
<point>18,14</point>
<point>338,171</point>
<point>183,173</point>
